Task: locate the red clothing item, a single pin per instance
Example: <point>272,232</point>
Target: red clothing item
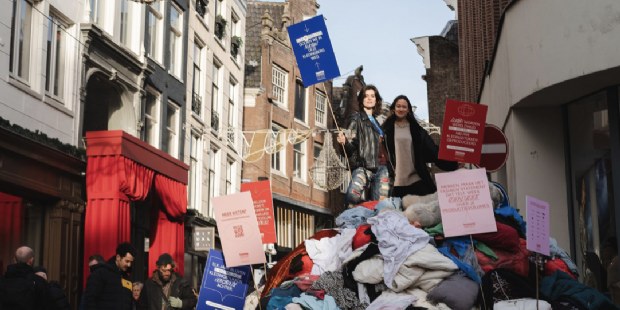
<point>361,238</point>
<point>370,205</point>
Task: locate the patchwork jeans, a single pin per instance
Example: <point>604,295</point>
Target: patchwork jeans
<point>368,185</point>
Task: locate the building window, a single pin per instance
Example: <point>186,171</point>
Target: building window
<point>212,181</point>
<point>201,8</point>
<point>278,156</point>
<point>299,161</point>
<point>55,58</point>
<point>235,39</point>
<point>197,78</point>
<point>176,40</point>
<point>215,96</point>
<point>279,79</point>
<point>230,170</point>
<point>95,14</point>
<point>154,30</point>
<point>124,22</point>
<point>300,101</point>
<point>151,117</point>
<point>293,227</point>
<point>232,113</point>
<point>171,142</point>
<point>195,169</point>
<point>317,177</point>
<point>319,116</point>
<point>346,177</point>
<point>21,39</point>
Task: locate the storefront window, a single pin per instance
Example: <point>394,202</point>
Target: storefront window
<point>591,176</point>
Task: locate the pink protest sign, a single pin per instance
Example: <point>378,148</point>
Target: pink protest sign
<point>465,202</point>
<point>238,229</point>
<point>537,213</point>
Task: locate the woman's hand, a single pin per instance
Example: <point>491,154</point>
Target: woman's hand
<point>341,138</point>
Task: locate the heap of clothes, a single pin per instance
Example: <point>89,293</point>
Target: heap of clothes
<point>392,255</point>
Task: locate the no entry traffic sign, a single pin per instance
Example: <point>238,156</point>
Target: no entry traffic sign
<point>494,149</point>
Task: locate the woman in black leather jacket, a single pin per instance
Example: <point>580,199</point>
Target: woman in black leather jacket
<point>410,148</point>
<point>370,179</point>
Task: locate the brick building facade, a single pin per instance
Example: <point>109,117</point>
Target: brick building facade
<point>277,107</point>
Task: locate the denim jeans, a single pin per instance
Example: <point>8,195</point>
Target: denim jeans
<point>365,182</point>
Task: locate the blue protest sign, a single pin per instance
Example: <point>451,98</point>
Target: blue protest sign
<point>313,51</point>
<point>222,288</point>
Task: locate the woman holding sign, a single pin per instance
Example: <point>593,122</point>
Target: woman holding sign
<point>410,148</point>
<point>365,149</point>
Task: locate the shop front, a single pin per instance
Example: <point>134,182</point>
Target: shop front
<point>135,193</point>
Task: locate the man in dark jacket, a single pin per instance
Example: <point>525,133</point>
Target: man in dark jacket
<point>21,288</point>
<point>58,298</point>
<point>166,289</point>
<point>108,286</point>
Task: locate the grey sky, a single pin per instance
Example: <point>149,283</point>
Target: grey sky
<point>377,34</point>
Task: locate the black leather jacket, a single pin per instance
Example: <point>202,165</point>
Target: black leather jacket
<point>424,150</point>
<point>362,144</point>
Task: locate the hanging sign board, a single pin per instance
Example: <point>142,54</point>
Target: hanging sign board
<point>313,51</point>
<point>537,213</point>
<point>263,206</point>
<point>238,229</point>
<point>222,287</point>
<point>465,202</point>
<point>462,131</point>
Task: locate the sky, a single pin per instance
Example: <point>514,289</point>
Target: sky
<point>376,34</point>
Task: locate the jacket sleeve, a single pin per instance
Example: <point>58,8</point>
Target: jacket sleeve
<point>352,143</point>
<point>187,296</point>
<point>94,288</point>
<point>432,152</point>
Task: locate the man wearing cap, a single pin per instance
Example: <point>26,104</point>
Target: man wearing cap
<point>166,289</point>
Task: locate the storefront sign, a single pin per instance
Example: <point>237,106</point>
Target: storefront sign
<point>238,229</point>
<point>222,287</point>
<point>263,206</point>
<point>537,213</point>
<point>465,202</point>
<point>313,51</point>
<point>462,132</point>
<point>204,238</point>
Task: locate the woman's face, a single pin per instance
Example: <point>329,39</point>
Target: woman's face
<point>401,108</point>
<point>369,99</point>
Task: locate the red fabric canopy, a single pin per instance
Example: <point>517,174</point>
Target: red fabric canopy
<point>11,219</point>
<point>120,169</point>
<point>169,236</point>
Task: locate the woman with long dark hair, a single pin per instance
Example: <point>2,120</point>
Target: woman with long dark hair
<point>410,148</point>
<point>370,179</point>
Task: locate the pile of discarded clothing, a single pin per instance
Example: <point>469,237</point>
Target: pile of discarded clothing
<point>392,254</point>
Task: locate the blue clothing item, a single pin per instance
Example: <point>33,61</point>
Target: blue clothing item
<point>354,217</point>
<point>390,202</point>
<point>282,296</point>
<point>555,250</point>
<point>363,182</point>
<point>510,212</point>
<point>559,284</point>
<point>376,125</point>
<point>311,302</point>
<point>465,268</point>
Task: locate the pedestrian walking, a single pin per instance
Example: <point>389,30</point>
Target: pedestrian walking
<point>21,288</point>
<point>166,289</point>
<point>410,148</point>
<point>108,286</point>
<point>365,149</point>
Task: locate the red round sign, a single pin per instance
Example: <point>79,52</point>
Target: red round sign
<point>494,149</point>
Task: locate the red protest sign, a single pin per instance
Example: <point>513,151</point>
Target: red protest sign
<point>462,131</point>
<point>263,206</point>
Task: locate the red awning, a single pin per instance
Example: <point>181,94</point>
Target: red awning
<point>121,168</point>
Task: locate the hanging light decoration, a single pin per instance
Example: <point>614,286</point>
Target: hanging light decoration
<point>328,171</point>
